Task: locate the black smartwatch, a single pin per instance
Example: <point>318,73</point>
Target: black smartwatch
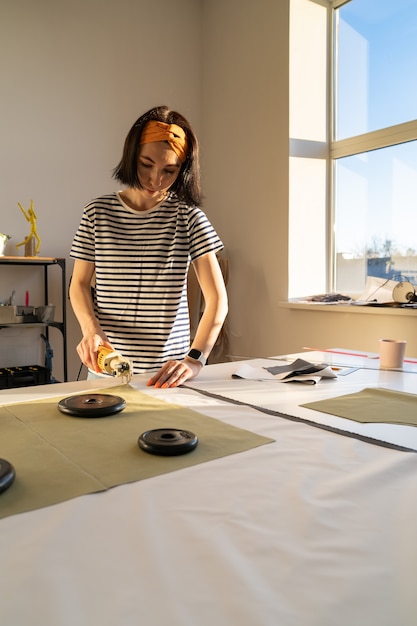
<point>197,355</point>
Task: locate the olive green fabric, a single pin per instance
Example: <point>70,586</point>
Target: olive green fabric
<point>371,405</point>
<point>58,456</point>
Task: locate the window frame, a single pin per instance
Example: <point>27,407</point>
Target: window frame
<point>355,145</point>
<point>329,150</point>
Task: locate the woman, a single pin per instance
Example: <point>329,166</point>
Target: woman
<point>139,243</point>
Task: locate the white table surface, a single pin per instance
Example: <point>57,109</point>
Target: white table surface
<point>315,529</point>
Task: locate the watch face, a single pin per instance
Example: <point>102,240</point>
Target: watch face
<point>195,354</point>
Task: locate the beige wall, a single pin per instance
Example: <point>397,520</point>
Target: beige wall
<point>246,133</point>
<point>76,73</point>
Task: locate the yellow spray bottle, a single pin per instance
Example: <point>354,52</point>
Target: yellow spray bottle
<point>113,363</point>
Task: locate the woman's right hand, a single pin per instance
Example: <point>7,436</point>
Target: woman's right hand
<point>88,347</point>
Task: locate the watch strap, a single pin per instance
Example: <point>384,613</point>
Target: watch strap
<point>197,355</point>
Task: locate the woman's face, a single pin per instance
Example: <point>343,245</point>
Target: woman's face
<point>158,168</point>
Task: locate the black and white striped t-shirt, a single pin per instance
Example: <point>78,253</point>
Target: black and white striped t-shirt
<point>141,261</point>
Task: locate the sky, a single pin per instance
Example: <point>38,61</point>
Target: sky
<point>377,87</point>
<point>377,39</point>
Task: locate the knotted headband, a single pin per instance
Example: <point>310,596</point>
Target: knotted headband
<point>173,134</point>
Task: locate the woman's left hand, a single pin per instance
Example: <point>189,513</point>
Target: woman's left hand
<point>174,373</point>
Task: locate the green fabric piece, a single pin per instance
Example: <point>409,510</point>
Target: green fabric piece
<point>58,456</point>
<point>371,406</point>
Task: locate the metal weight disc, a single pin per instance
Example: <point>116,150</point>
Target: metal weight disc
<point>167,441</point>
<point>92,405</point>
<point>7,474</point>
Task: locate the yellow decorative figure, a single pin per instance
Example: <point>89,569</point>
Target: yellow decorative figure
<point>33,236</point>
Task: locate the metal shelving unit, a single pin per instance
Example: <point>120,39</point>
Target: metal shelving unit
<point>46,263</point>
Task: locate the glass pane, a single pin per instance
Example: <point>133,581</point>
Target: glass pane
<point>376,61</point>
<point>376,216</point>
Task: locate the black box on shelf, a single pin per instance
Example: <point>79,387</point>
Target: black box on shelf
<point>25,376</point>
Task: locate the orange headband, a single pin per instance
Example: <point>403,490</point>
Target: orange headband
<point>159,131</point>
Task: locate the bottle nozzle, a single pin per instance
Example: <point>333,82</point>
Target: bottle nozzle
<point>113,363</point>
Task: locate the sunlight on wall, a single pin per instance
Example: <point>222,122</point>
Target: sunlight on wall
<point>307,227</point>
<point>308,149</point>
<point>308,71</point>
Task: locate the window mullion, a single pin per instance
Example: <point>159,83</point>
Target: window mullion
<point>382,138</point>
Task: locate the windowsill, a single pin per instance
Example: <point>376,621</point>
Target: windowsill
<point>347,308</point>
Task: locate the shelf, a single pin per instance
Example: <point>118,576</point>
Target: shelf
<point>58,325</point>
<point>44,262</point>
<point>30,260</point>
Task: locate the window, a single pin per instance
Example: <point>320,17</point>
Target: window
<point>358,168</point>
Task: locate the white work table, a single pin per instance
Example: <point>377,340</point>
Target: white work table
<point>314,529</point>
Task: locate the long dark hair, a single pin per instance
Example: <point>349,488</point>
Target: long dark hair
<point>187,185</point>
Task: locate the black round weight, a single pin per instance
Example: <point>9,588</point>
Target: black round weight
<point>167,441</point>
<point>92,405</point>
<point>7,475</point>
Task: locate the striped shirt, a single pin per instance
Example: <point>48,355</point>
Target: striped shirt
<point>141,261</point>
